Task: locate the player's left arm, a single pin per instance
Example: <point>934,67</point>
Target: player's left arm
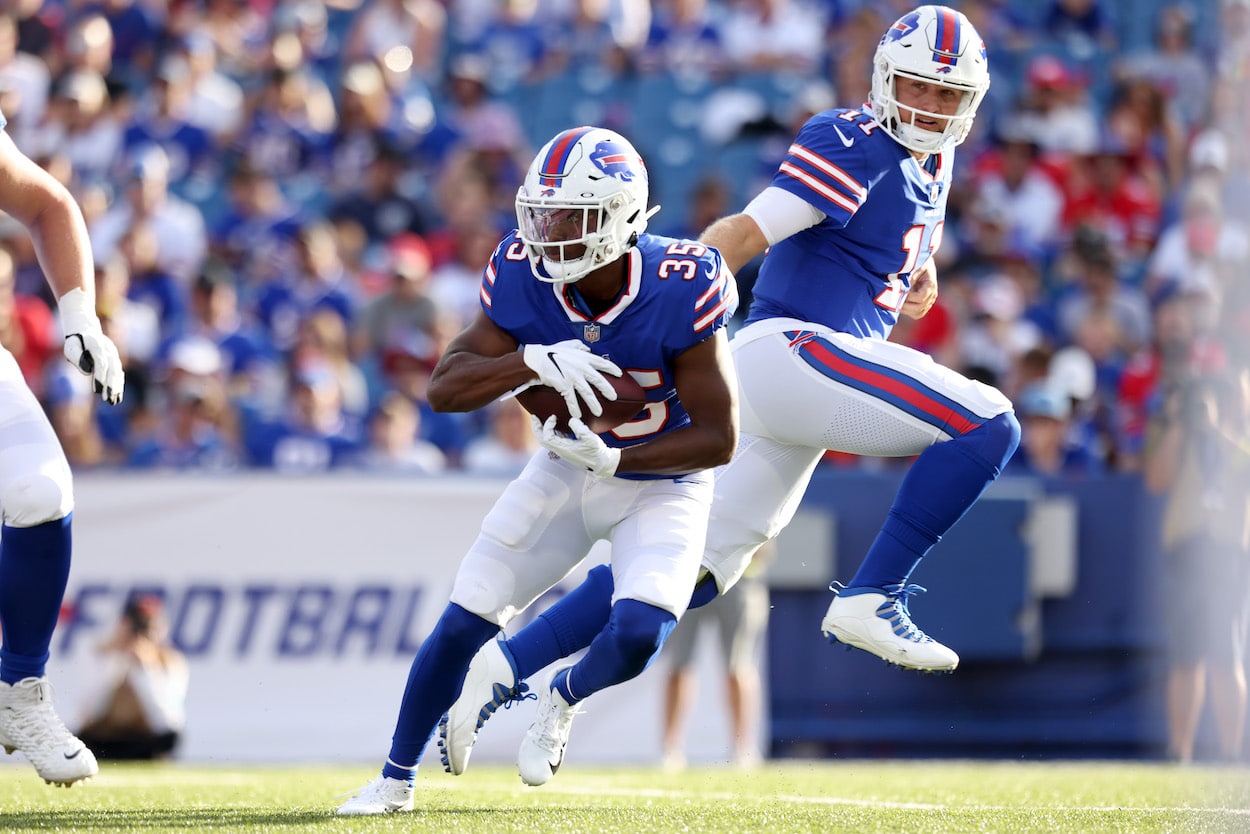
<point>923,293</point>
<point>707,386</point>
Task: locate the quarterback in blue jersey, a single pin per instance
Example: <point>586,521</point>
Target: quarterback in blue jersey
<point>850,221</point>
<point>36,487</point>
<point>578,291</point>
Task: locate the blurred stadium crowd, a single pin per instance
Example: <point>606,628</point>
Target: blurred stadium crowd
<point>291,201</point>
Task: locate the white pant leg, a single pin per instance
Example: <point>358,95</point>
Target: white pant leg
<point>657,545</point>
<point>862,396</point>
<point>35,481</point>
<point>547,519</point>
<point>803,390</point>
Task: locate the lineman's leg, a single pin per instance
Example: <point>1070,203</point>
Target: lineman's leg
<point>531,538</point>
<point>36,498</point>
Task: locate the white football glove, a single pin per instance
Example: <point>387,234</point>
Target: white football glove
<point>88,349</point>
<point>584,448</point>
<point>570,368</point>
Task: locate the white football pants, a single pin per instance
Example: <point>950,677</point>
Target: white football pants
<point>804,389</point>
<point>35,482</point>
<point>547,519</point>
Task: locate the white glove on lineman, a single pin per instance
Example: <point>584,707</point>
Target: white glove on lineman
<point>570,368</point>
<point>584,448</point>
<point>88,349</point>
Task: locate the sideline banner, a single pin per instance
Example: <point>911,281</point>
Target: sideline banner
<point>301,602</point>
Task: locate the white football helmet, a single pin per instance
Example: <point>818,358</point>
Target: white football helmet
<point>583,204</point>
<point>935,44</point>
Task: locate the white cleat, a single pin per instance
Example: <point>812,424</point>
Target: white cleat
<point>381,796</point>
<point>876,620</point>
<point>490,683</point>
<point>542,750</point>
<point>30,724</point>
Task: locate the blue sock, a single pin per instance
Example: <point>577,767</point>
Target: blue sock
<point>635,633</point>
<point>34,567</point>
<point>434,681</point>
<point>939,488</point>
<point>566,627</point>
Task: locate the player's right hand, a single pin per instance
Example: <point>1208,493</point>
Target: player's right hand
<point>570,368</point>
<point>88,349</point>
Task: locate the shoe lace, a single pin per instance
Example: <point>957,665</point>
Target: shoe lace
<point>554,726</point>
<point>507,697</point>
<point>39,722</point>
<point>895,610</point>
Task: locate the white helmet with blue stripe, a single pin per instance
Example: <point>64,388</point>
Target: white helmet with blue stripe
<point>938,45</point>
<point>583,203</point>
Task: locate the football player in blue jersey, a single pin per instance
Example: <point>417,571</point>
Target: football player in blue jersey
<point>36,488</point>
<point>850,221</point>
<point>578,291</point>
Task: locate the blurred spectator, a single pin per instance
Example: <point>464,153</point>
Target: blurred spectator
<point>195,426</point>
<point>368,119</point>
<point>386,202</point>
<point>1055,109</point>
<point>1082,28</point>
<point>1046,448</point>
<point>685,38</point>
<point>456,284</point>
<point>1198,458</point>
<point>317,280</point>
<point>1145,125</point>
<point>27,329</point>
<point>741,619</point>
<point>507,445</point>
<point>178,226</point>
<point>287,131</point>
<point>782,36</point>
<point>28,79</point>
<point>315,434</point>
<point>394,443</point>
<point>151,286</point>
<point>996,334</point>
<point>250,359</point>
<point>80,125</point>
<point>1104,191</point>
<point>138,709</point>
<point>514,46</point>
<point>390,31</point>
<point>163,120</point>
<point>136,323</point>
<point>255,234</point>
<point>594,42</point>
<point>322,338</point>
<point>1173,64</point>
<point>403,315</point>
<point>215,102</point>
<point>1204,249</point>
<point>1011,181</point>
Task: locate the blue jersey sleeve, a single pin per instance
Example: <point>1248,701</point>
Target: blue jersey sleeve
<point>827,164</point>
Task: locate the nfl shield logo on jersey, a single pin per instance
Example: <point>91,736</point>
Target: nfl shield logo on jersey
<point>591,332</point>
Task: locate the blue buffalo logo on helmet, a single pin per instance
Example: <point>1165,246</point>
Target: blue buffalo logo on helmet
<point>617,161</point>
<point>902,26</point>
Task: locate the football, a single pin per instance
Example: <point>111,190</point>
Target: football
<point>543,401</point>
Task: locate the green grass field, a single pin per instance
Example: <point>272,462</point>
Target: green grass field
<point>795,796</point>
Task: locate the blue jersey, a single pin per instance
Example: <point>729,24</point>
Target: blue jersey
<point>884,213</point>
<point>677,294</point>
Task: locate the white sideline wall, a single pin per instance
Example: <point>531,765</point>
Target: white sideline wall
<point>301,602</point>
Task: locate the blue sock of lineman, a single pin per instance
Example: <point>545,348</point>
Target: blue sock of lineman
<point>434,681</point>
<point>34,568</point>
<point>939,488</point>
<point>635,633</point>
<point>566,627</point>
